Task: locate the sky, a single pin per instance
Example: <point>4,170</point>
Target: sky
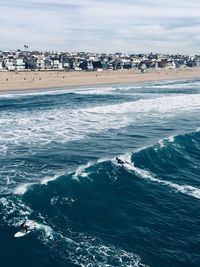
<point>131,26</point>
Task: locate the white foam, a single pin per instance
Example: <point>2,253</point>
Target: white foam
<point>15,95</point>
<point>35,129</point>
<point>96,91</point>
<point>170,139</point>
<point>81,171</point>
<point>142,148</point>
<point>103,159</point>
<point>22,188</point>
<point>49,178</point>
<point>46,229</point>
<point>41,127</point>
<point>62,200</point>
<point>165,104</point>
<point>174,85</point>
<point>9,180</point>
<point>13,210</point>
<point>144,174</point>
<point>101,90</point>
<point>99,254</point>
<point>84,250</point>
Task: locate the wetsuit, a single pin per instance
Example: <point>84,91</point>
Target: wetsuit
<point>119,161</point>
<point>23,226</point>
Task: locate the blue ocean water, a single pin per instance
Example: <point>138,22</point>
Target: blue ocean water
<point>58,169</point>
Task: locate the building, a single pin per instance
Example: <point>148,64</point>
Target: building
<point>19,64</point>
<point>9,64</point>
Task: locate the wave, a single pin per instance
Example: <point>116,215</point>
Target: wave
<point>80,249</point>
<point>43,127</point>
<point>180,84</point>
<point>94,212</point>
<point>175,158</point>
<point>84,250</point>
<point>158,105</point>
<point>81,171</point>
<point>22,188</point>
<point>27,94</point>
<point>100,90</point>
<point>88,170</point>
<point>144,162</point>
<point>147,175</point>
<point>169,139</point>
<point>49,178</point>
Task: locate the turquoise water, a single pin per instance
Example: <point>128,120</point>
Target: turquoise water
<point>58,169</point>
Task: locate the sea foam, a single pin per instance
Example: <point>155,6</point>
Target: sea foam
<point>147,175</point>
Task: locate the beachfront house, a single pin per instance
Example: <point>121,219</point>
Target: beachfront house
<point>19,64</point>
<point>170,64</point>
<point>56,64</point>
<point>9,64</point>
<point>65,61</point>
<point>66,65</point>
<point>40,64</point>
<point>197,62</point>
<point>47,63</point>
<point>135,62</point>
<point>90,66</point>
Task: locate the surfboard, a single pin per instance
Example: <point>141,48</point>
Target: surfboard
<point>31,225</point>
<point>21,233</point>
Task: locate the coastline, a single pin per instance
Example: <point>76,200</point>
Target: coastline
<point>45,80</point>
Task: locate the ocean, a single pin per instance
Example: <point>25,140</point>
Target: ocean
<point>58,170</point>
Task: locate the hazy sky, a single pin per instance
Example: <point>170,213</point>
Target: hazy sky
<point>101,25</point>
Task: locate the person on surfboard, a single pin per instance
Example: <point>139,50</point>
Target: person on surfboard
<point>119,161</point>
<point>24,227</point>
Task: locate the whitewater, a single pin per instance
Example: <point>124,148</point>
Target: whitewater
<point>58,170</point>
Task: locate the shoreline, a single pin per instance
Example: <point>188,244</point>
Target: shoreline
<point>13,82</point>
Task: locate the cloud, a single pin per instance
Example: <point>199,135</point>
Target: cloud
<point>172,26</point>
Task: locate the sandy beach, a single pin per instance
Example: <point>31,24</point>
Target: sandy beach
<point>30,80</point>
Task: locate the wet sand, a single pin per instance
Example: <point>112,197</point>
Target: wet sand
<point>34,80</point>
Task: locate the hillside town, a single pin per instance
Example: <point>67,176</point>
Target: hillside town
<point>24,60</point>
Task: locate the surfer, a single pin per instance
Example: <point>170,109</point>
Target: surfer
<point>119,161</point>
<point>23,226</point>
